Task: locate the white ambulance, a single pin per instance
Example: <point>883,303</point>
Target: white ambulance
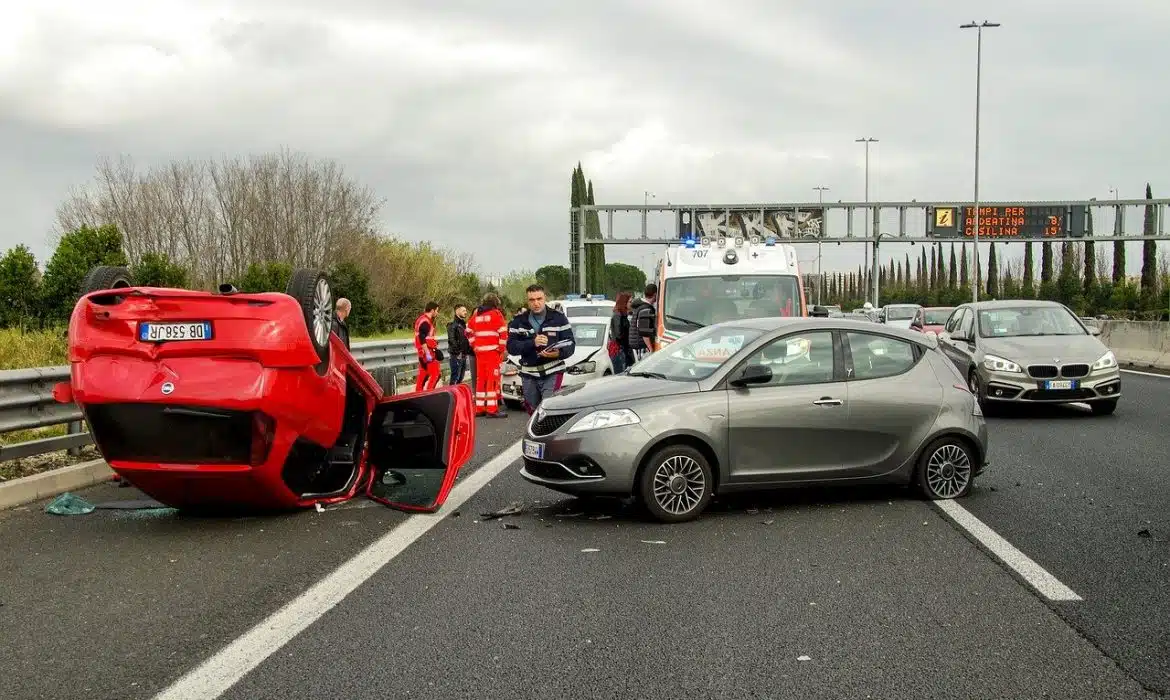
<point>711,280</point>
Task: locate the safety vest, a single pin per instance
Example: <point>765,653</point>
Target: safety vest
<point>432,344</point>
<point>489,331</point>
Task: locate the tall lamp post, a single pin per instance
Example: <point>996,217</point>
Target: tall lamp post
<point>820,276</point>
<point>866,140</point>
<point>978,27</point>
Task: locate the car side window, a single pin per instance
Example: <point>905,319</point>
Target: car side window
<point>806,358</point>
<point>967,325</point>
<point>877,356</point>
<point>953,320</point>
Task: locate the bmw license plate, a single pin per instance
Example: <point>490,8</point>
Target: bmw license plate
<point>533,449</point>
<point>1060,384</point>
<point>163,332</point>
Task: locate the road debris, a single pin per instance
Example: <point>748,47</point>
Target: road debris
<point>804,658</point>
<point>68,504</point>
<point>512,509</point>
<point>510,526</point>
<point>590,549</point>
<point>653,542</point>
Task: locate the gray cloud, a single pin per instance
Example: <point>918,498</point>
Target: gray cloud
<point>468,117</point>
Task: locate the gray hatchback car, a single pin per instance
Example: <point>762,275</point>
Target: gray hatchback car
<point>1031,351</point>
<point>761,404</point>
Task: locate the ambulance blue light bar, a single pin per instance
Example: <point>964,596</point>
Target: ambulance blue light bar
<point>770,240</point>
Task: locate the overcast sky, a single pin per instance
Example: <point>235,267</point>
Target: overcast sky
<point>468,117</point>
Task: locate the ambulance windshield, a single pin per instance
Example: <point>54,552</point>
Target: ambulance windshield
<point>694,302</point>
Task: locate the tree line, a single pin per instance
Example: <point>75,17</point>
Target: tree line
<point>1077,274</point>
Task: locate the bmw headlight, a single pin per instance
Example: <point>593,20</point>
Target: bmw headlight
<point>1107,361</point>
<point>998,364</point>
<point>610,418</point>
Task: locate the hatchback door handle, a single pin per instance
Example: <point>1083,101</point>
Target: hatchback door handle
<point>826,401</point>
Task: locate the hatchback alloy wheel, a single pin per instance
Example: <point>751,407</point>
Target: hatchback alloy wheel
<point>676,484</point>
<point>946,470</point>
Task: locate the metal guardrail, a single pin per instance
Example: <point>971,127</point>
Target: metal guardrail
<point>26,397</point>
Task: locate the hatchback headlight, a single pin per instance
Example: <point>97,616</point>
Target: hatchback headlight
<point>583,368</point>
<point>610,418</point>
<point>998,364</point>
<point>1107,361</point>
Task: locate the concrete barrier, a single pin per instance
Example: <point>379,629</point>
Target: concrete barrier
<point>1138,343</point>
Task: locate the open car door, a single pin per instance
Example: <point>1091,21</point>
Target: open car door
<point>417,444</point>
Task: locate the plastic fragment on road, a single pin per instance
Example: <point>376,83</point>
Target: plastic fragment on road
<point>68,504</point>
<point>653,542</point>
<point>510,526</point>
<point>804,658</point>
<point>590,549</point>
<point>512,509</point>
<point>320,508</point>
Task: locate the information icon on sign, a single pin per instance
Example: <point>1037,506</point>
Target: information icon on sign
<point>944,218</point>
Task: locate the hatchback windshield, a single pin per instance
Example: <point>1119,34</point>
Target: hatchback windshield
<point>696,356</point>
<point>694,302</point>
<point>578,310</point>
<point>588,335</point>
<point>1028,321</point>
<point>937,317</point>
<point>900,313</point>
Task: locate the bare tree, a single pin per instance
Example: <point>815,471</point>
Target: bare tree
<point>216,218</point>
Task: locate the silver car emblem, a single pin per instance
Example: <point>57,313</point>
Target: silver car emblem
<point>1056,359</point>
<point>167,388</point>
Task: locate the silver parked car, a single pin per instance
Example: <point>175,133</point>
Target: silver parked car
<point>1030,351</point>
<point>760,404</point>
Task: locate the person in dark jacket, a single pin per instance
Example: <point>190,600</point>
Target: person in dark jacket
<point>458,345</point>
<point>620,353</point>
<point>645,311</point>
<point>340,313</point>
<point>542,337</point>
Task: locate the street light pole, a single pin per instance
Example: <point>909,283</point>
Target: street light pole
<point>820,276</point>
<point>866,140</point>
<point>978,27</point>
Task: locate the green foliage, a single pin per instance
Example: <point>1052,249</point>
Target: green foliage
<point>19,288</point>
<point>76,253</point>
<point>555,279</point>
<point>157,270</point>
<point>348,281</point>
<point>621,277</point>
<point>992,274</point>
<point>266,277</point>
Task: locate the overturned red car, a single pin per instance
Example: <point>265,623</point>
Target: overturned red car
<point>221,400</point>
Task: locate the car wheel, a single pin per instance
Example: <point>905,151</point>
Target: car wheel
<point>514,405</point>
<point>946,469</point>
<point>1103,408</point>
<point>676,484</point>
<point>976,388</point>
<point>106,277</point>
<point>387,378</point>
<point>311,290</point>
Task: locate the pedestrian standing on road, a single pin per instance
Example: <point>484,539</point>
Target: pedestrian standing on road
<point>644,322</point>
<point>429,355</point>
<point>620,353</point>
<point>458,345</point>
<point>541,336</point>
<point>489,338</point>
<point>340,313</point>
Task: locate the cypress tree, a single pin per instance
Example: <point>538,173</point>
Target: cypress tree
<point>992,273</point>
<point>953,271</point>
<point>1149,291</point>
<point>964,273</point>
<point>1029,288</point>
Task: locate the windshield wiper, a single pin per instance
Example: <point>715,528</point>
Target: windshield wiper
<point>651,375</point>
<point>687,321</point>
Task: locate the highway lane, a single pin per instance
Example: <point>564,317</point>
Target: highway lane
<point>1088,498</point>
<point>116,604</point>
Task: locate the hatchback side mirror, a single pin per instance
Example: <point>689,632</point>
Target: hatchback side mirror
<point>1094,331</point>
<point>753,374</point>
<point>916,325</point>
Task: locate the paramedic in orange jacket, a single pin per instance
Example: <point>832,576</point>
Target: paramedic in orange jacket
<point>489,341</point>
<point>429,356</point>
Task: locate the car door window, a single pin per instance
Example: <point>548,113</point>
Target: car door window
<point>953,321</point>
<point>876,356</point>
<point>806,358</point>
<point>967,325</point>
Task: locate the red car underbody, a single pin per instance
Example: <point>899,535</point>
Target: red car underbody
<point>251,416</point>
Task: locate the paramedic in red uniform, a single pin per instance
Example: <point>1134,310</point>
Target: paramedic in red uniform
<point>429,356</point>
<point>489,341</point>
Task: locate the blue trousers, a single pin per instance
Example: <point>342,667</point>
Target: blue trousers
<point>537,388</point>
<point>458,369</point>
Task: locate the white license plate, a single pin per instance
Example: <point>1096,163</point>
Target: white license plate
<point>1060,384</point>
<point>163,332</point>
<point>533,450</point>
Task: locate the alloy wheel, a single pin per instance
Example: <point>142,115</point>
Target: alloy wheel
<point>679,484</point>
<point>322,313</point>
<point>948,471</point>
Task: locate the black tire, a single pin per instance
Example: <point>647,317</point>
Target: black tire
<point>937,483</point>
<point>105,277</point>
<point>514,404</point>
<point>1104,407</point>
<point>686,463</point>
<point>387,378</point>
<point>311,290</point>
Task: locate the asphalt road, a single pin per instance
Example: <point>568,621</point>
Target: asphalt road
<point>881,592</point>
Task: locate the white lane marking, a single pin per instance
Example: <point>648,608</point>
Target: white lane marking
<point>1045,583</point>
<point>219,673</point>
<point>1147,374</point>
